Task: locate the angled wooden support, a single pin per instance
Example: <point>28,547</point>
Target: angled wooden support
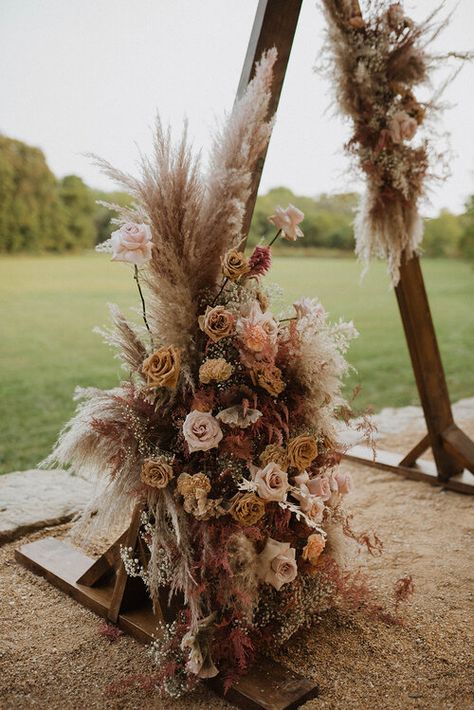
<point>453,451</point>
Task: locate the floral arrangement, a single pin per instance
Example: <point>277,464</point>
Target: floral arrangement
<point>225,429</point>
<point>377,60</point>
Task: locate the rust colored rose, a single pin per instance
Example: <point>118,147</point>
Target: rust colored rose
<point>162,368</point>
<point>314,546</point>
<point>217,323</point>
<point>269,378</point>
<point>302,450</point>
<point>234,265</point>
<point>274,454</point>
<point>156,473</point>
<point>248,509</point>
<point>216,370</point>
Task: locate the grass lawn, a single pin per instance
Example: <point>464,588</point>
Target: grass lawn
<point>49,306</point>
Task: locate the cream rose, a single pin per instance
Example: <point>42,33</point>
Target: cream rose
<point>131,243</point>
<point>162,368</point>
<point>217,323</point>
<point>201,431</point>
<point>271,482</point>
<point>402,127</point>
<point>277,563</point>
<point>287,221</point>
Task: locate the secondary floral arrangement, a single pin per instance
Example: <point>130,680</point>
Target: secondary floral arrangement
<point>378,60</point>
<point>225,429</point>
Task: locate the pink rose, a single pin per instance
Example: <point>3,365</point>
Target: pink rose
<point>201,431</point>
<point>344,483</point>
<point>287,221</point>
<point>320,486</point>
<point>312,505</point>
<point>131,243</point>
<point>402,127</point>
<point>271,482</point>
<point>277,563</point>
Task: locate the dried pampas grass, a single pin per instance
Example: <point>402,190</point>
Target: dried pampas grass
<point>377,59</point>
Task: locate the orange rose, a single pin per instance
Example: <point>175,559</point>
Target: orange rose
<point>269,378</point>
<point>302,450</point>
<point>217,323</point>
<point>163,367</point>
<point>248,509</point>
<point>314,546</point>
<point>156,473</point>
<point>234,265</point>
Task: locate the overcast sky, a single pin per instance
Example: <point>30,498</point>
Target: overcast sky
<point>88,76</point>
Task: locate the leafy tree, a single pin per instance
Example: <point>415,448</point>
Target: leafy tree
<point>442,235</point>
<point>79,208</point>
<point>466,242</point>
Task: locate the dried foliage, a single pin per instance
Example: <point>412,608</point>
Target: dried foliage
<point>378,58</point>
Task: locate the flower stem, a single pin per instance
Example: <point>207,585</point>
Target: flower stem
<point>220,290</point>
<point>275,238</point>
<point>135,276</point>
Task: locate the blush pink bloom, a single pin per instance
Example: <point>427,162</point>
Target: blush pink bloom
<point>288,221</point>
<point>345,483</point>
<point>271,482</point>
<point>402,127</point>
<point>257,331</point>
<point>260,261</point>
<point>277,563</point>
<point>319,486</point>
<point>309,308</point>
<point>201,431</point>
<point>132,243</point>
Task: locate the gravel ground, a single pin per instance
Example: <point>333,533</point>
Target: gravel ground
<point>53,658</point>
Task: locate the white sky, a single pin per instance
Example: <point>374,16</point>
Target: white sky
<point>88,76</point>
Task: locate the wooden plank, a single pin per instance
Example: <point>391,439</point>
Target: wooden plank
<point>122,577</point>
<point>423,471</point>
<point>459,445</point>
<point>268,686</point>
<point>426,360</point>
<point>274,26</point>
<point>105,564</point>
<point>414,454</point>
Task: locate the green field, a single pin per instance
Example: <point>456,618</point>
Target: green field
<point>49,306</point>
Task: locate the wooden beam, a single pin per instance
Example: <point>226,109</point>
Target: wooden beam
<point>414,454</point>
<point>274,26</point>
<point>460,446</point>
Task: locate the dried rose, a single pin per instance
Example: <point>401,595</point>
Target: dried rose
<point>201,431</point>
<point>344,482</point>
<point>187,484</point>
<point>271,482</point>
<point>156,473</point>
<point>216,370</point>
<point>248,509</point>
<point>268,377</point>
<point>162,368</point>
<point>217,323</point>
<point>131,243</point>
<point>287,221</point>
<point>277,563</point>
<point>402,127</point>
<point>274,453</point>
<point>302,450</point>
<point>234,265</point>
<point>314,546</point>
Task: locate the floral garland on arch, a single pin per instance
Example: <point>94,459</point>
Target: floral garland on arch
<point>225,429</point>
<point>377,61</point>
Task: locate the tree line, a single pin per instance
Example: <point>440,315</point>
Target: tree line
<point>40,213</point>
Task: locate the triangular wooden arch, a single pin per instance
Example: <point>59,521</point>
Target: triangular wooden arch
<point>103,585</point>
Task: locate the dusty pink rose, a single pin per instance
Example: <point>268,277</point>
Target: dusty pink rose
<point>201,431</point>
<point>319,486</point>
<point>402,127</point>
<point>312,505</point>
<point>277,563</point>
<point>288,221</point>
<point>131,243</point>
<point>257,331</point>
<point>309,308</point>
<point>345,484</point>
<point>271,482</point>
<point>260,261</point>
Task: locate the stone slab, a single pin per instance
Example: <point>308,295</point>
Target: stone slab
<point>35,499</point>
